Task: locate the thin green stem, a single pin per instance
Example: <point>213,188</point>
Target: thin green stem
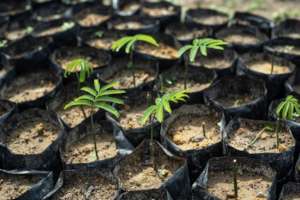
<point>94,136</point>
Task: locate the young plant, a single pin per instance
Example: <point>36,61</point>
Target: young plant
<point>128,43</point>
<point>157,111</point>
<point>3,43</point>
<point>199,46</point>
<point>288,109</point>
<point>82,69</point>
<point>98,98</point>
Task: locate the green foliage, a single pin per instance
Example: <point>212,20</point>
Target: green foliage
<point>83,69</point>
<point>162,104</point>
<point>288,109</point>
<point>67,25</point>
<point>129,41</point>
<point>98,97</point>
<point>99,34</point>
<point>201,45</point>
<point>3,43</point>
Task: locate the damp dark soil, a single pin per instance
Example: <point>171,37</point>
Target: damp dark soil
<point>89,18</point>
<point>31,136</point>
<point>266,67</point>
<point>164,51</point>
<point>250,186</point>
<point>67,55</point>
<point>194,131</point>
<point>131,115</point>
<point>28,87</point>
<point>125,80</point>
<point>138,173</point>
<point>80,186</point>
<point>159,12</point>
<point>82,151</point>
<point>12,186</point>
<point>260,138</point>
<point>240,39</point>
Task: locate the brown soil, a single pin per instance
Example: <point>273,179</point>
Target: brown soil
<point>130,116</point>
<point>50,31</point>
<point>250,187</point>
<point>188,34</point>
<point>187,131</point>
<point>125,79</point>
<point>235,100</point>
<point>192,86</point>
<point>31,136</point>
<point>28,87</point>
<point>164,51</point>
<point>64,58</point>
<point>292,197</point>
<point>241,39</point>
<point>83,151</point>
<point>16,35</point>
<point>265,144</point>
<point>266,67</point>
<point>131,7</point>
<point>88,18</point>
<point>135,174</point>
<point>81,187</point>
<point>101,43</point>
<point>211,20</point>
<point>129,25</point>
<point>13,186</point>
<point>287,49</point>
<point>73,116</point>
<point>158,12</point>
<point>215,63</point>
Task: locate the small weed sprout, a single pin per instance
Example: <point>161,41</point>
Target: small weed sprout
<point>128,42</point>
<point>157,111</point>
<point>98,98</point>
<point>288,109</point>
<point>3,43</point>
<point>201,46</point>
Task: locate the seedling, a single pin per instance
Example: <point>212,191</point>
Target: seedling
<point>67,25</point>
<point>201,46</point>
<point>288,109</point>
<point>157,111</point>
<point>203,129</point>
<point>128,42</point>
<point>98,98</point>
<point>3,43</point>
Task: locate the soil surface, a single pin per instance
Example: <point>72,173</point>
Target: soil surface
<point>159,12</point>
<point>64,58</point>
<point>130,116</point>
<point>164,51</point>
<point>195,132</point>
<point>129,25</point>
<point>101,43</point>
<point>266,67</point>
<point>241,39</point>
<point>250,186</point>
<point>82,151</point>
<point>192,86</point>
<point>235,100</point>
<point>292,196</point>
<point>80,186</point>
<point>137,172</point>
<point>211,20</point>
<point>243,139</point>
<point>13,186</point>
<point>188,34</point>
<point>31,136</point>
<point>213,63</point>
<point>90,17</point>
<point>125,78</point>
<point>51,31</point>
<point>16,34</point>
<point>131,7</point>
<point>287,49</point>
<point>28,87</point>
